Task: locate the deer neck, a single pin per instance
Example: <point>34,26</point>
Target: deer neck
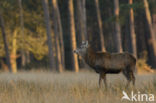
<point>90,57</point>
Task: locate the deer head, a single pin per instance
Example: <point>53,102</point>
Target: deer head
<point>81,51</point>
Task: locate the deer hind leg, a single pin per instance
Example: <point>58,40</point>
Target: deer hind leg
<point>133,69</point>
<point>128,77</point>
<point>133,78</point>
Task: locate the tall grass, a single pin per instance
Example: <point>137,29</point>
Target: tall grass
<point>68,88</point>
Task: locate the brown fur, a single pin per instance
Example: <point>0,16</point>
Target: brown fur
<point>104,63</point>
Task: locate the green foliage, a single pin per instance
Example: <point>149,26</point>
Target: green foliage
<point>125,9</point>
<point>124,12</point>
<point>34,38</point>
<point>36,43</point>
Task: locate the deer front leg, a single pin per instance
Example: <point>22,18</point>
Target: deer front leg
<point>103,76</point>
<point>100,78</point>
<point>104,80</point>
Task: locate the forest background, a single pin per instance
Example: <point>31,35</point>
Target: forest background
<point>42,34</point>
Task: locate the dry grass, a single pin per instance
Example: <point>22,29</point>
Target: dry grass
<point>142,66</point>
<point>44,87</point>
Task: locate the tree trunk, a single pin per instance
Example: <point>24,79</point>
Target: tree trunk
<point>84,19</point>
<point>73,37</point>
<point>152,34</point>
<point>117,26</point>
<point>100,26</point>
<point>81,10</point>
<point>154,24</point>
<point>58,32</point>
<point>82,25</point>
<point>49,39</point>
<point>132,30</point>
<point>13,53</point>
<point>5,42</point>
<point>23,56</point>
<point>59,65</point>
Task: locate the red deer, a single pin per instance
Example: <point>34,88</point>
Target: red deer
<point>108,63</point>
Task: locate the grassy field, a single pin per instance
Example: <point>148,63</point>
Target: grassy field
<point>69,87</point>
